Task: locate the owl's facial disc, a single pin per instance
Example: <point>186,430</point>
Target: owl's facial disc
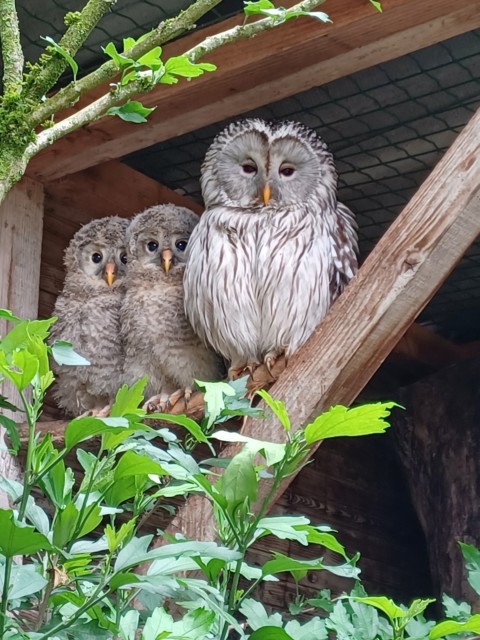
<point>102,263</point>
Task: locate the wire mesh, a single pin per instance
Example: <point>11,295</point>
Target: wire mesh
<point>387,126</point>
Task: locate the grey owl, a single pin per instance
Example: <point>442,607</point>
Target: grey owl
<point>274,247</point>
<point>88,311</point>
<point>159,341</point>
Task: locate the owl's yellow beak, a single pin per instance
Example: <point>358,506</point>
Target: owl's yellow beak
<point>267,192</point>
<point>167,257</point>
<point>110,273</point>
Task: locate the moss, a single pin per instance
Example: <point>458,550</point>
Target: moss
<point>15,130</point>
<point>72,17</point>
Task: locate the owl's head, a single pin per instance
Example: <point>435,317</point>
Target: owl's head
<point>254,162</point>
<point>97,253</point>
<point>158,237</point>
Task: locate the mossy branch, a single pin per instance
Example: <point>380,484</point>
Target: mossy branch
<point>49,69</point>
<point>166,31</point>
<point>12,53</point>
<point>123,93</point>
<point>244,31</point>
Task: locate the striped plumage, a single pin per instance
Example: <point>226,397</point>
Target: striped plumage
<point>88,312</point>
<point>159,341</point>
<point>274,248</point>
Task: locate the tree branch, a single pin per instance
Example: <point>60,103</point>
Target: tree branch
<point>122,93</point>
<point>43,77</point>
<point>244,31</point>
<point>12,53</point>
<point>166,31</point>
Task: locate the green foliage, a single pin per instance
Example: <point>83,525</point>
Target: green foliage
<point>62,52</point>
<point>280,14</point>
<point>83,546</point>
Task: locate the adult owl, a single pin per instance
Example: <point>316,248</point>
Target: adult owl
<point>274,247</point>
<point>159,341</point>
<point>88,312</point>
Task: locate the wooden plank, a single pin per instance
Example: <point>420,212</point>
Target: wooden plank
<point>399,277</point>
<point>111,188</point>
<point>21,223</point>
<point>292,58</point>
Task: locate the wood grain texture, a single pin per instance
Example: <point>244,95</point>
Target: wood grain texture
<point>252,74</point>
<point>399,277</point>
<point>21,223</point>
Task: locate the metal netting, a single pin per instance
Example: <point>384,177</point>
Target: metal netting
<point>387,126</point>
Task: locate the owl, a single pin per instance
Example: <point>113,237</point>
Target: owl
<point>159,341</point>
<point>273,249</point>
<point>88,312</point>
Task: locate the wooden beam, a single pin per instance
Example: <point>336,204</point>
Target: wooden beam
<point>399,277</point>
<point>21,223</point>
<point>111,188</point>
<point>294,57</point>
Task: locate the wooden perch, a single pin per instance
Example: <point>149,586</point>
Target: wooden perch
<point>399,277</point>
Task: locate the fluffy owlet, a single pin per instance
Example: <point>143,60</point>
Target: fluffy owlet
<point>159,341</point>
<point>274,247</point>
<point>88,311</point>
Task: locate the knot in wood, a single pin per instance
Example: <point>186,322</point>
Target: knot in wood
<point>412,260</point>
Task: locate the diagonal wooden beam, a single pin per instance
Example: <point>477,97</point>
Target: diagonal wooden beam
<point>282,62</point>
<point>397,280</point>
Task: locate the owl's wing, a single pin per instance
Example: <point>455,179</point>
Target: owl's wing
<point>344,250</point>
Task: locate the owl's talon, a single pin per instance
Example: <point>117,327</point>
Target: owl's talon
<point>157,404</point>
<point>97,413</point>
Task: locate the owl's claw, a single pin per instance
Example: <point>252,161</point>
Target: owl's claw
<point>238,372</point>
<point>164,403</point>
<point>97,413</point>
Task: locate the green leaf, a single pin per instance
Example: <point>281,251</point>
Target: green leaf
<point>22,369</point>
<point>273,452</point>
<point>239,481</point>
<point>63,353</point>
<point>389,608</point>
<point>257,616</point>
<point>283,527</point>
<point>33,513</point>
<point>8,315</point>
<point>471,556</point>
<point>120,60</point>
<point>270,633</point>
<point>215,393</point>
<point>80,429</point>
<point>12,432</point>
<point>341,421</point>
<point>19,337</point>
<point>418,607</point>
<point>5,404</point>
<point>254,8</point>
<point>194,625</point>
<point>128,625</point>
<point>459,611</point>
<point>64,54</point>
<point>128,398</point>
<point>181,66</point>
<point>190,425</point>
<point>451,626</point>
<point>25,580</point>
<point>116,538</point>
<point>131,111</point>
<point>19,539</point>
<point>377,5</point>
<point>132,464</point>
<point>64,525</point>
<point>278,408</point>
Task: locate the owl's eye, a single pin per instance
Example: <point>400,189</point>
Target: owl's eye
<point>181,245</point>
<point>123,258</point>
<point>286,171</point>
<point>249,167</point>
<point>97,257</point>
<point>152,246</point>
